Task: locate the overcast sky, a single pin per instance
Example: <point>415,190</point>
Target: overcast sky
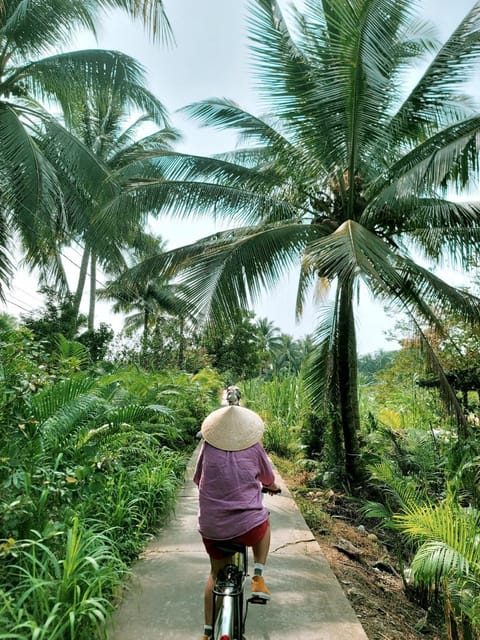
<point>211,59</point>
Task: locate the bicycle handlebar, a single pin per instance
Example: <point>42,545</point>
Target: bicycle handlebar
<point>267,490</point>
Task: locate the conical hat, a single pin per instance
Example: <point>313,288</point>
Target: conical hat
<point>232,428</point>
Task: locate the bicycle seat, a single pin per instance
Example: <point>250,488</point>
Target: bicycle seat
<point>231,547</point>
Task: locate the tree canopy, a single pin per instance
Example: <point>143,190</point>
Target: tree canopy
<point>345,180</point>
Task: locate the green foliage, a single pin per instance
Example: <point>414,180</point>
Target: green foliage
<point>394,397</point>
<point>447,558</point>
<point>58,317</point>
<point>23,370</point>
<point>233,347</point>
<point>280,403</point>
<point>89,468</point>
<point>371,363</point>
<point>323,446</point>
<point>97,341</point>
<point>135,501</point>
<point>57,586</point>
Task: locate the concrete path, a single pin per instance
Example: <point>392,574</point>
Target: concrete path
<point>164,600</point>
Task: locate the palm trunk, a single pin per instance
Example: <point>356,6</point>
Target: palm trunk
<point>93,291</point>
<point>181,344</point>
<point>348,384</point>
<point>146,321</point>
<point>81,282</point>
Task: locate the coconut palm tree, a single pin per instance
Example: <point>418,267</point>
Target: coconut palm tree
<point>345,180</point>
<point>147,298</point>
<point>107,149</point>
<point>269,340</point>
<point>29,31</point>
<point>288,355</point>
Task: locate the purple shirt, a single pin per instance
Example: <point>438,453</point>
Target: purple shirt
<point>229,484</point>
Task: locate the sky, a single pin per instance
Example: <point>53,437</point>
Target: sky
<point>211,59</point>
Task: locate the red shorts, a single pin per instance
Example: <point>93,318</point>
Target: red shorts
<point>249,539</point>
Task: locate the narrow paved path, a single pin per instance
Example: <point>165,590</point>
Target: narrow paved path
<point>164,600</point>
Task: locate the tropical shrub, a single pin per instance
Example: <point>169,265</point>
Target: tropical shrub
<point>447,558</point>
<point>89,467</point>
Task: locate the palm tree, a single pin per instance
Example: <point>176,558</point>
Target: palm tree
<point>346,180</point>
<point>106,149</point>
<point>288,355</point>
<point>28,31</point>
<point>269,340</point>
<point>147,297</point>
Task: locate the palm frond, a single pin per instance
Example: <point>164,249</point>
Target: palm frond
<point>32,29</point>
<point>151,13</point>
<point>32,192</point>
<point>124,417</point>
<point>449,154</point>
<point>295,87</point>
<point>132,151</point>
<point>76,162</point>
<point>447,393</point>
<point>51,399</point>
<point>6,266</point>
<point>402,492</point>
<point>233,270</point>
<point>453,231</point>
<point>192,198</point>
<point>67,77</point>
<point>320,368</point>
<point>354,252</point>
<point>434,99</point>
<point>225,114</point>
<point>450,540</point>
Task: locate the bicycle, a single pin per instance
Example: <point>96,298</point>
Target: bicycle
<point>230,607</point>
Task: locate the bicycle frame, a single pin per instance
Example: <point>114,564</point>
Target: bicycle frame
<point>228,595</point>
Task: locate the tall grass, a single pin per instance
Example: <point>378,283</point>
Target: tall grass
<point>60,586</point>
<point>280,403</point>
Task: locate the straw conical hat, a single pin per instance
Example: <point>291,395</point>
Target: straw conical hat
<point>232,428</point>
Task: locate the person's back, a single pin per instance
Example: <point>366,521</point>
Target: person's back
<point>231,469</point>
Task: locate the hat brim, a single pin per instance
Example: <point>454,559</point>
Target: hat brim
<point>232,428</point>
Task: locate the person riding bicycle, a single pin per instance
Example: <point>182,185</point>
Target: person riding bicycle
<point>231,469</point>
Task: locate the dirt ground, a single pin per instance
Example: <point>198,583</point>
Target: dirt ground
<point>364,566</point>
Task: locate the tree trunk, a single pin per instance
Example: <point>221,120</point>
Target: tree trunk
<point>181,343</point>
<point>146,321</point>
<point>81,282</point>
<point>93,291</point>
<point>348,385</point>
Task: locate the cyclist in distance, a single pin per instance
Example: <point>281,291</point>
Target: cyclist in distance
<point>231,469</point>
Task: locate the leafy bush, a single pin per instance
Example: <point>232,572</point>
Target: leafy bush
<point>89,466</point>
<point>59,586</point>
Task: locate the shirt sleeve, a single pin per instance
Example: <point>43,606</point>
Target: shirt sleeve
<point>198,468</point>
<point>265,475</point>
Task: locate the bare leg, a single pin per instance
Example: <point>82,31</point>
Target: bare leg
<point>260,550</point>
<point>215,566</point>
<point>260,553</point>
